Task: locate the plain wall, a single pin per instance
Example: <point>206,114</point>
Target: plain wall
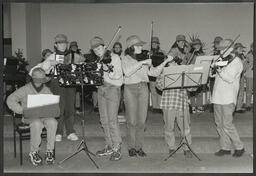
<point>33,33</point>
<point>18,27</point>
<point>81,22</point>
<point>7,20</point>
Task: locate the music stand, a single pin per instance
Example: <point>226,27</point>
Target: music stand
<point>81,76</point>
<point>186,76</point>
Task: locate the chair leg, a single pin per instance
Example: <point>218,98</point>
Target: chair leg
<point>21,154</point>
<point>14,142</point>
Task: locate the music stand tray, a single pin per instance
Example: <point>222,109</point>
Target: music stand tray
<point>185,76</point>
<point>195,75</point>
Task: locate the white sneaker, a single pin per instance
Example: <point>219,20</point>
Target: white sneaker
<point>58,137</point>
<point>72,137</point>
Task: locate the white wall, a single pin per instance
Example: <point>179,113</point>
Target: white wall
<point>7,20</point>
<point>18,27</point>
<point>82,21</point>
<point>26,31</point>
<point>33,33</point>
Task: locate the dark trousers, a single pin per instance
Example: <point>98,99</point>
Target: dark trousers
<point>67,107</point>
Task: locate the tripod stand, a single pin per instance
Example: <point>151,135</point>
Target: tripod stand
<point>184,140</point>
<point>82,145</point>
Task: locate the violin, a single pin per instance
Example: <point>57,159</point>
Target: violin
<point>144,55</point>
<point>106,57</point>
<point>228,59</point>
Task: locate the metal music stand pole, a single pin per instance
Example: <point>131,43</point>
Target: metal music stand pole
<point>82,145</point>
<point>184,140</point>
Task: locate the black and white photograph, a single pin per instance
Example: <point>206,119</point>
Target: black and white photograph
<point>127,87</point>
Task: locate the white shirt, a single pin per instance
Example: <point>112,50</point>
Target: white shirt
<point>115,77</point>
<point>226,84</point>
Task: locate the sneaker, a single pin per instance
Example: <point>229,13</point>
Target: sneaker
<point>141,153</point>
<point>238,153</point>
<point>49,157</point>
<point>58,137</point>
<point>222,152</point>
<point>132,152</point>
<point>35,158</point>
<point>104,152</point>
<point>187,153</point>
<point>116,155</point>
<point>72,137</point>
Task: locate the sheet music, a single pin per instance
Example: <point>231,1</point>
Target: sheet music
<point>42,100</point>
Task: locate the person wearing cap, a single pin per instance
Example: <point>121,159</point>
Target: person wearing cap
<point>248,67</point>
<point>73,47</point>
<point>136,92</point>
<point>196,97</point>
<point>109,99</point>
<point>224,98</point>
<point>177,50</point>
<point>215,52</point>
<point>62,55</point>
<point>46,53</point>
<point>17,102</point>
<point>157,56</point>
<point>238,50</point>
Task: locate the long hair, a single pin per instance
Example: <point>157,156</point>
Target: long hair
<point>130,51</point>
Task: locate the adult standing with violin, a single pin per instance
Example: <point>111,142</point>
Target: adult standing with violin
<point>136,71</point>
<point>224,98</point>
<point>157,56</point>
<point>109,98</point>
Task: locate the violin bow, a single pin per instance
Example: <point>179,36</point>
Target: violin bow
<point>151,35</point>
<point>113,38</point>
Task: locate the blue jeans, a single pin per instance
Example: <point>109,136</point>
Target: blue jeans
<point>108,102</point>
<point>227,131</point>
<point>136,107</point>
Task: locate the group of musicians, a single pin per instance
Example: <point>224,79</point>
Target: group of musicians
<point>137,70</point>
